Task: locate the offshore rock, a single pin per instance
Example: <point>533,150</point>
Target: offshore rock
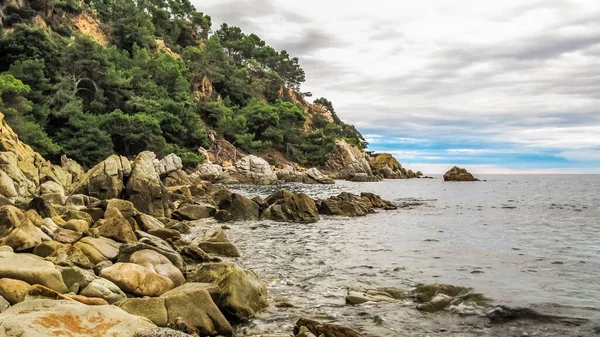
<point>105,180</point>
<point>459,174</point>
<point>235,207</point>
<point>291,207</point>
<point>145,189</point>
<point>436,297</point>
<point>348,204</point>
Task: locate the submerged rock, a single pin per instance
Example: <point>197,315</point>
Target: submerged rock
<point>324,329</point>
<point>436,297</point>
<point>459,174</point>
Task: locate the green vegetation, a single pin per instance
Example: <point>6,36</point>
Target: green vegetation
<point>65,93</point>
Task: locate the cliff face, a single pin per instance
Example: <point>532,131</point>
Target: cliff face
<point>23,171</point>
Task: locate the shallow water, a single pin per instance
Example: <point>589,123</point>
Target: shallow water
<point>521,240</point>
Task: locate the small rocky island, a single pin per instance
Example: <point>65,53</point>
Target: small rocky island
<point>459,174</point>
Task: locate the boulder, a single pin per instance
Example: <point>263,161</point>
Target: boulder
<point>117,228</point>
<point>137,280</point>
<point>42,207</point>
<point>65,236</point>
<point>162,332</point>
<point>48,248</point>
<point>243,293</point>
<point>98,249</point>
<point>216,242</point>
<point>178,178</point>
<point>292,207</point>
<point>14,291</point>
<point>3,304</point>
<point>144,188</point>
<point>236,207</point>
<point>386,166</point>
<point>348,162</point>
<point>348,204</point>
<point>324,329</point>
<point>32,270</point>
<point>40,292</point>
<point>53,192</point>
<point>148,222</point>
<point>158,264</point>
<point>17,231</point>
<point>254,170</point>
<point>194,212</point>
<point>209,172</point>
<point>77,225</point>
<point>70,256</point>
<point>436,297</point>
<point>459,174</point>
<point>105,180</point>
<point>318,176</point>
<point>76,275</point>
<point>168,164</point>
<point>105,289</point>
<point>125,208</point>
<point>79,201</point>
<point>44,317</point>
<point>151,242</point>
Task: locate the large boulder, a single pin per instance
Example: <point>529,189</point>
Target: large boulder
<point>292,207</point>
<point>243,293</point>
<point>168,164</point>
<point>311,176</point>
<point>17,231</point>
<point>194,211</point>
<point>150,242</point>
<point>459,174</point>
<point>192,303</point>
<point>98,249</point>
<point>209,172</point>
<point>215,241</point>
<point>105,180</point>
<point>46,317</point>
<point>348,162</point>
<point>144,188</point>
<point>386,166</point>
<point>158,264</point>
<point>116,227</point>
<point>348,204</point>
<point>254,170</point>
<point>105,289</point>
<point>22,170</point>
<point>14,291</point>
<point>234,207</point>
<point>32,270</point>
<point>137,280</point>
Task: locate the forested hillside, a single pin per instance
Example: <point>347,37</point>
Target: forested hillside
<point>96,77</point>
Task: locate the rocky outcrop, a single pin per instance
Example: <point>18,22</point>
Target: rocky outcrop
<point>168,164</point>
<point>23,171</point>
<point>348,162</point>
<point>386,166</point>
<point>243,293</point>
<point>459,174</point>
<point>311,176</point>
<point>209,172</point>
<point>234,207</point>
<point>46,317</point>
<point>254,170</point>
<point>348,204</point>
<point>105,180</point>
<point>144,188</point>
<point>292,207</point>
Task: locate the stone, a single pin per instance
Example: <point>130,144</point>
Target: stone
<point>194,212</point>
<point>195,304</point>
<point>17,231</point>
<point>79,201</point>
<point>78,215</point>
<point>44,317</point>
<point>386,166</point>
<point>75,275</point>
<point>70,256</point>
<point>40,292</point>
<point>137,280</point>
<point>162,332</point>
<point>150,242</point>
<point>178,178</point>
<point>65,236</point>
<point>236,207</point>
<point>55,191</point>
<point>14,291</point>
<point>459,174</point>
<point>3,304</point>
<point>148,222</point>
<point>48,248</point>
<point>168,164</point>
<point>291,207</point>
<point>348,162</point>
<point>243,293</point>
<point>77,225</point>
<point>95,212</point>
<point>105,289</point>
<point>105,180</point>
<point>436,297</point>
<point>318,176</point>
<point>324,329</point>
<point>117,228</point>
<point>152,308</point>
<point>125,208</point>
<point>98,249</point>
<point>145,189</point>
<point>348,204</point>
<point>209,172</point>
<point>254,170</point>
<point>158,264</point>
<point>216,242</point>
<point>357,296</point>
<point>31,270</point>
<point>165,233</point>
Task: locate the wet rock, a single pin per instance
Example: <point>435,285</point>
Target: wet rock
<point>254,170</point>
<point>243,292</point>
<point>194,212</point>
<point>32,270</point>
<point>17,231</point>
<point>14,291</point>
<point>287,206</point>
<point>348,204</point>
<point>325,329</point>
<point>436,297</point>
<point>459,174</point>
<point>137,280</point>
<point>105,180</point>
<point>237,207</point>
<point>215,241</point>
<point>145,189</point>
<point>43,317</point>
<point>168,164</point>
<point>358,296</point>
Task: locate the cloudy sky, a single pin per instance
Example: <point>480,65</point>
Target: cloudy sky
<point>495,86</point>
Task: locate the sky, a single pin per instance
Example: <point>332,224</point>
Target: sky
<point>508,86</point>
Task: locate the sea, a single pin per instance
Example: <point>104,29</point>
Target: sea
<point>530,241</point>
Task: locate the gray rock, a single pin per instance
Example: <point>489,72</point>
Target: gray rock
<point>168,164</point>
